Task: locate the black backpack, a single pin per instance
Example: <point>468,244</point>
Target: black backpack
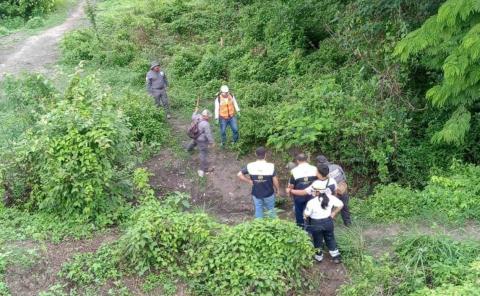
<point>193,130</point>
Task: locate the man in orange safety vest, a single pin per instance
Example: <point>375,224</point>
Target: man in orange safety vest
<point>226,111</point>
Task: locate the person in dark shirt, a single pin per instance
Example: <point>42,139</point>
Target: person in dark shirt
<point>302,176</point>
<point>264,181</point>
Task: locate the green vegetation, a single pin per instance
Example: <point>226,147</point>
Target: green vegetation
<point>388,89</point>
<point>257,258</point>
<point>421,265</point>
<point>31,16</point>
<point>452,195</point>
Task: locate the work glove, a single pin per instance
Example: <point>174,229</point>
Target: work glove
<point>217,121</point>
<point>238,114</point>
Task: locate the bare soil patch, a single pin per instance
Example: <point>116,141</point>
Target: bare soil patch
<point>42,274</point>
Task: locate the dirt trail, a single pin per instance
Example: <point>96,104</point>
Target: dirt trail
<point>221,192</point>
<point>36,53</point>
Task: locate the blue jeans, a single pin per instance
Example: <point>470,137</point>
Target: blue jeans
<point>267,204</point>
<point>232,122</point>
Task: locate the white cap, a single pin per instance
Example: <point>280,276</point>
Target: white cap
<point>206,113</point>
<point>320,185</point>
<point>224,89</point>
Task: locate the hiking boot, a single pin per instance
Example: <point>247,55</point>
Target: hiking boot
<point>201,173</point>
<point>319,256</point>
<point>337,260</point>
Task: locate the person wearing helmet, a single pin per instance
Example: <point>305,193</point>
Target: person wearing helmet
<point>319,214</point>
<point>157,84</point>
<point>204,140</point>
<point>226,109</point>
<point>337,173</point>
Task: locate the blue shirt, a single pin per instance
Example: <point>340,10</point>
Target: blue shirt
<point>261,173</point>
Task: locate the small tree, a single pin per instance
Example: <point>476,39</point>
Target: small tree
<point>450,41</point>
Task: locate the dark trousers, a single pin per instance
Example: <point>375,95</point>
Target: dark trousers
<point>300,203</point>
<point>322,229</point>
<point>345,212</point>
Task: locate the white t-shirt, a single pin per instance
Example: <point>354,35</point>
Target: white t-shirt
<point>314,208</point>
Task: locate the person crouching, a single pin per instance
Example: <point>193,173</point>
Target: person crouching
<point>319,215</point>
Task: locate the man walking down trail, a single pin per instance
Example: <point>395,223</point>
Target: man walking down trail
<point>204,140</point>
<point>157,84</point>
<point>302,176</point>
<point>264,183</point>
<point>337,173</point>
<point>226,108</point>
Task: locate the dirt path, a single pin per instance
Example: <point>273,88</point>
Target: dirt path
<point>221,193</point>
<point>36,53</point>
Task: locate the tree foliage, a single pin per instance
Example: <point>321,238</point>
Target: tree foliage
<point>450,42</point>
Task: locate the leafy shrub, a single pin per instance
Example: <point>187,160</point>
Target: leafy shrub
<point>392,203</point>
<point>161,237</point>
<point>26,9</point>
<point>79,45</point>
<point>74,156</point>
<point>147,122</point>
<point>263,257</point>
<point>453,194</point>
<point>35,22</point>
<point>91,268</point>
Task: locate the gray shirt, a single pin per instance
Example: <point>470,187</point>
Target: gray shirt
<point>156,82</point>
<point>204,129</point>
<point>337,173</point>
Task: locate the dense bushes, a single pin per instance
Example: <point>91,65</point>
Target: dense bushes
<point>263,257</point>
<point>421,265</point>
<point>15,14</point>
<point>73,157</point>
<point>254,258</point>
<point>453,194</point>
<point>73,154</point>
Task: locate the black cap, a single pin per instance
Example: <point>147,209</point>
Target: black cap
<point>321,159</point>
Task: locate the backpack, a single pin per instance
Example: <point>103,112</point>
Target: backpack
<point>193,130</point>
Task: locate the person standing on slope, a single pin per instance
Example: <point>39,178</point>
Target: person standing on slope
<point>157,84</point>
<point>204,140</point>
<point>319,214</point>
<point>337,173</point>
<point>226,109</point>
<point>264,182</point>
<point>302,176</point>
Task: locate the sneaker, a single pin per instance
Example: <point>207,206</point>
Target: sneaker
<point>337,260</point>
<point>168,116</point>
<point>201,173</point>
<point>319,257</point>
<point>210,170</point>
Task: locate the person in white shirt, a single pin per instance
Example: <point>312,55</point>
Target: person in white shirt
<point>319,214</point>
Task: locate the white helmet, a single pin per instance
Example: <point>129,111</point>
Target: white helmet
<point>224,89</point>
